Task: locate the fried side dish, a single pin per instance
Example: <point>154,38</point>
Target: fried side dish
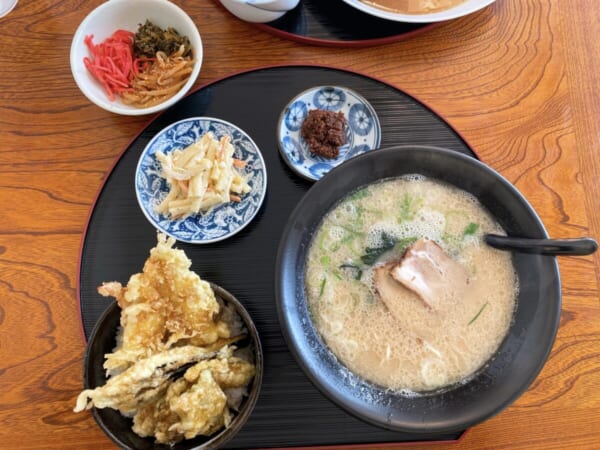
<point>174,369</point>
<point>165,305</point>
<point>324,132</point>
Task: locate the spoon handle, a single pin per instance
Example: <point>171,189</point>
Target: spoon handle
<point>579,246</point>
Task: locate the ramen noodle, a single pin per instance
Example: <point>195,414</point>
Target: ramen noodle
<point>402,288</point>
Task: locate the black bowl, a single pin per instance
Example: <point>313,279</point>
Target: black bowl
<point>521,355</point>
<point>118,427</point>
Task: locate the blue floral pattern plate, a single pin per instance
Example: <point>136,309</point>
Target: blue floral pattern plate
<point>363,131</point>
<point>220,222</point>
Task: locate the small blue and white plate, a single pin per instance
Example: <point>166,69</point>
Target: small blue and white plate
<point>363,131</point>
<point>222,221</point>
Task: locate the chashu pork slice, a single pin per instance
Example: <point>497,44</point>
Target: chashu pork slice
<point>404,305</point>
<point>428,271</point>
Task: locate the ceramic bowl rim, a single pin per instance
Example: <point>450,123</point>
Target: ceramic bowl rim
<point>449,14</point>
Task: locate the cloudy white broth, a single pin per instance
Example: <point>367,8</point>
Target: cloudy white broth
<point>402,288</point>
<point>414,6</point>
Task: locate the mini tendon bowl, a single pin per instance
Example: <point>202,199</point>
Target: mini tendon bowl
<point>118,427</point>
<point>113,15</point>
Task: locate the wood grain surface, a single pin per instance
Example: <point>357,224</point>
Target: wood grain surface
<point>518,79</point>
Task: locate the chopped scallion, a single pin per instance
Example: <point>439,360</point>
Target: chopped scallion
<point>478,314</point>
<point>322,289</point>
<point>471,229</point>
<point>357,271</point>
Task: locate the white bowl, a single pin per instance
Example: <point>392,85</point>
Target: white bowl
<point>467,7</point>
<point>259,11</point>
<point>128,14</point>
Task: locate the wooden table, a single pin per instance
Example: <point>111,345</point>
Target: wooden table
<point>519,80</point>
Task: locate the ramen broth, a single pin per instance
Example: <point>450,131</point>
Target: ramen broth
<point>413,6</point>
<point>422,348</point>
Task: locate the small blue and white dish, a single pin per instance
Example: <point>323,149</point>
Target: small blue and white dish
<point>363,131</point>
<point>222,221</point>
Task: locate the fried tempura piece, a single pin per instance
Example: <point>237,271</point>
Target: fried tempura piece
<point>231,372</point>
<point>202,409</point>
<point>156,418</point>
<point>198,402</point>
<point>141,383</point>
<point>165,304</point>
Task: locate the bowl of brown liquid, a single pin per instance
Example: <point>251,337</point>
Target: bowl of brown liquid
<point>419,11</point>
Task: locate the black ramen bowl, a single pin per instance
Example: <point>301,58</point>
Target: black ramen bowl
<point>519,358</point>
<point>118,427</point>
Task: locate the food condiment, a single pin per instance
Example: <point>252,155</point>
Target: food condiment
<point>143,69</point>
<point>111,62</point>
<point>324,132</point>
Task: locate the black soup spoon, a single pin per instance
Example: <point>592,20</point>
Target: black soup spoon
<point>578,246</point>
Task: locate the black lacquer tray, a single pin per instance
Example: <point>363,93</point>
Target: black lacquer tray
<point>290,412</point>
<point>334,23</point>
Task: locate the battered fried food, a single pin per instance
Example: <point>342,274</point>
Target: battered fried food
<point>162,306</point>
<point>172,322</point>
<point>230,372</point>
<point>202,409</point>
<point>197,403</point>
<point>142,383</point>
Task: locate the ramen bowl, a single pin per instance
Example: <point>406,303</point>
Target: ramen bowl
<point>460,10</point>
<point>114,15</point>
<point>118,427</point>
<point>521,354</point>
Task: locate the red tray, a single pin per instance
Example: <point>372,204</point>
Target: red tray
<point>333,23</point>
<point>290,412</point>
